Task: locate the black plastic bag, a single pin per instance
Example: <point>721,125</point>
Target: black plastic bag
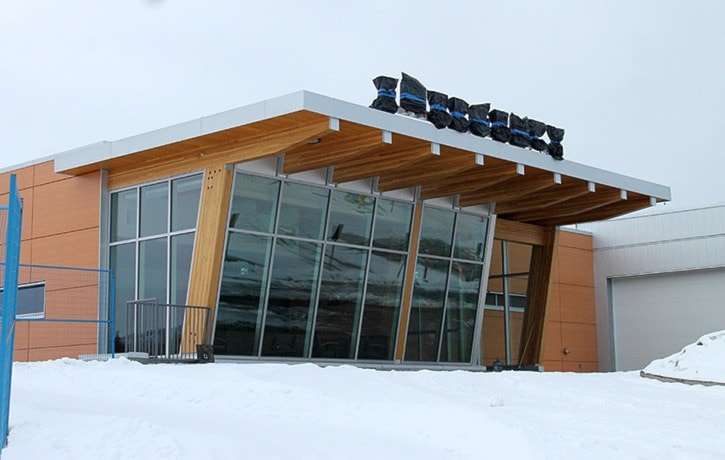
<point>556,135</point>
<point>519,133</point>
<point>499,125</point>
<point>536,129</point>
<point>459,110</point>
<point>478,116</point>
<point>386,94</point>
<point>438,114</point>
<point>412,95</point>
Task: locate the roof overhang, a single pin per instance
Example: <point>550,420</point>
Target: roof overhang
<point>358,142</point>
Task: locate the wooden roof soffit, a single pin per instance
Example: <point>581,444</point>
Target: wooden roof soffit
<point>470,179</point>
<point>572,206</point>
<point>634,202</point>
<point>334,147</point>
<point>512,188</point>
<point>447,162</point>
<point>554,194</point>
<point>378,160</point>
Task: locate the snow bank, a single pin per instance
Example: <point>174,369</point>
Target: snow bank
<point>702,361</point>
<point>69,409</point>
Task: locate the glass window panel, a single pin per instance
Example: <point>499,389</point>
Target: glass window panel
<point>516,319</point>
<point>123,215</point>
<point>241,298</point>
<point>436,232</point>
<point>182,248</point>
<point>340,301</point>
<point>29,302</point>
<point>392,224</point>
<point>519,257</point>
<point>185,195</point>
<point>426,309</point>
<point>463,291</point>
<point>152,270</point>
<point>291,298</point>
<point>351,218</point>
<point>154,209</point>
<point>123,264</point>
<point>254,204</point>
<point>382,306</point>
<point>470,237</point>
<point>303,211</point>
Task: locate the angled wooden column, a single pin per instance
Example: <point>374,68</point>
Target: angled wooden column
<point>206,262</point>
<point>538,292</point>
<point>408,283</point>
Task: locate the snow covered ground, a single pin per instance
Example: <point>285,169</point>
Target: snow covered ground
<point>69,409</point>
<point>702,361</point>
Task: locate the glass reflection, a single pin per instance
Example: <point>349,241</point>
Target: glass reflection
<point>182,248</point>
<point>392,224</point>
<point>152,270</point>
<point>338,310</point>
<point>123,263</point>
<point>351,218</point>
<point>303,211</point>
<point>382,306</point>
<point>254,204</point>
<point>436,232</point>
<point>470,237</point>
<point>123,215</point>
<point>460,317</point>
<point>154,209</point>
<point>185,195</point>
<point>426,309</point>
<point>241,299</point>
<point>291,298</point>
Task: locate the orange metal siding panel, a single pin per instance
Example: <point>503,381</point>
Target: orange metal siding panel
<point>45,174</point>
<point>72,249</point>
<point>580,340</point>
<point>577,304</point>
<point>575,240</point>
<point>67,205</point>
<point>580,366</point>
<point>552,343</point>
<point>24,178</point>
<point>576,266</point>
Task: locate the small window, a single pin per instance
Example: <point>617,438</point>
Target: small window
<point>31,301</point>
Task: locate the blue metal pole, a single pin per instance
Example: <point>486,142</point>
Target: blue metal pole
<point>10,294</point>
<point>112,300</point>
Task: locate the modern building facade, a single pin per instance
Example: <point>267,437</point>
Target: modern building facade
<point>316,229</point>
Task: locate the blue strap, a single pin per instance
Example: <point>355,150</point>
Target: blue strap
<point>555,142</point>
<point>458,114</point>
<point>412,97</point>
<point>496,124</point>
<point>518,131</point>
<point>386,93</point>
<point>437,107</point>
<point>533,137</point>
<point>482,121</point>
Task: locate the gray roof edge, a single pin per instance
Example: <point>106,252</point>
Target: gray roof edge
<point>343,110</point>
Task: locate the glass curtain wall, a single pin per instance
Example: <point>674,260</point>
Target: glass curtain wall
<point>505,301</point>
<point>311,272</point>
<point>446,290</point>
<point>152,231</point>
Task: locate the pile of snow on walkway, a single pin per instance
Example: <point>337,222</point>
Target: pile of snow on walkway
<point>702,361</point>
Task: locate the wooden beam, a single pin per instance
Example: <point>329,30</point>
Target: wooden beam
<point>208,254</point>
<point>329,150</point>
<point>519,232</point>
<point>379,160</point>
<point>246,149</point>
<point>569,207</point>
<point>408,283</point>
<point>468,180</point>
<point>509,189</point>
<point>570,188</point>
<point>428,169</point>
<point>538,298</point>
<point>633,203</point>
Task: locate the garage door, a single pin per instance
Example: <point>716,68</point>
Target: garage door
<point>657,315</point>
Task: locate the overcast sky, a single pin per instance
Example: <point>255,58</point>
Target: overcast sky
<point>638,86</point>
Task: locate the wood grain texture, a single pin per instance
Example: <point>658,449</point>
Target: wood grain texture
<point>408,283</point>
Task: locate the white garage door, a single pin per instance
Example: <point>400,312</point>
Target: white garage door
<point>657,315</point>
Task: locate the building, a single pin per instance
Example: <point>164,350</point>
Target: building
<point>316,229</point>
<point>660,283</point>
